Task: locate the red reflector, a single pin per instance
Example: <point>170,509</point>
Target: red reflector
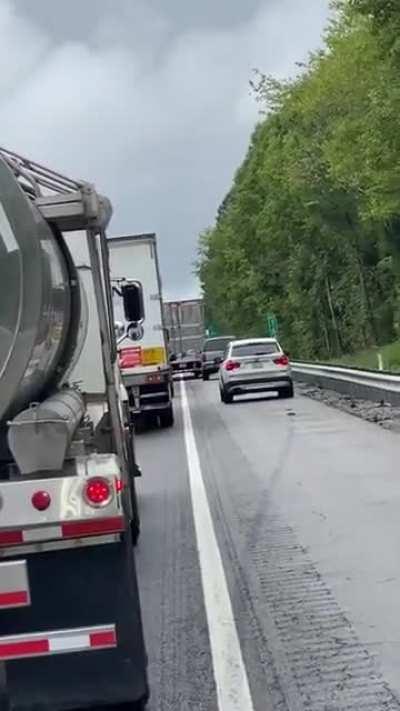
<point>282,360</point>
<point>93,528</point>
<point>24,649</point>
<point>10,538</point>
<point>232,365</point>
<point>103,639</point>
<point>41,500</point>
<point>19,597</point>
<point>98,491</point>
<point>119,485</point>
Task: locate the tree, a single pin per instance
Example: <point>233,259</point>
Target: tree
<point>310,228</point>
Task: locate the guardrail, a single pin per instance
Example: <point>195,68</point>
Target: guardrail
<point>365,384</point>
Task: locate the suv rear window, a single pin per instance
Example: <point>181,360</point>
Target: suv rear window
<point>255,349</point>
<point>218,345</point>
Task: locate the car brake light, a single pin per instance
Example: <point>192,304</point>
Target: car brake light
<point>98,492</point>
<point>41,500</point>
<point>283,360</point>
<point>232,365</point>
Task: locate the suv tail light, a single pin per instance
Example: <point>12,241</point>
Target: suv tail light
<point>98,492</point>
<point>231,365</point>
<point>283,360</point>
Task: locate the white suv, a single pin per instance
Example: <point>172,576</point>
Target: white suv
<point>255,365</point>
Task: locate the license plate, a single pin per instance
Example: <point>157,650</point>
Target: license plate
<point>256,366</point>
<point>182,366</point>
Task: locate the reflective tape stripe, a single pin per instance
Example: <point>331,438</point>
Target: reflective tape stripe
<point>75,529</point>
<point>23,648</point>
<point>18,598</point>
<point>58,642</point>
<point>43,533</point>
<point>14,584</point>
<point>103,639</point>
<point>11,538</point>
<point>69,529</point>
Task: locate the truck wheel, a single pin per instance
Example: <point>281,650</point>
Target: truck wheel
<point>167,418</point>
<point>135,530</point>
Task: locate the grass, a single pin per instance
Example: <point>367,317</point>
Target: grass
<point>369,358</point>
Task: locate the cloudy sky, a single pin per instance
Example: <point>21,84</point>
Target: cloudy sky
<point>149,99</point>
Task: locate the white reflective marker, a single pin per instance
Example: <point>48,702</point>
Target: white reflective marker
<point>230,675</point>
<point>6,231</point>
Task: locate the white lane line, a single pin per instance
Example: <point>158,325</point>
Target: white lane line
<point>229,671</point>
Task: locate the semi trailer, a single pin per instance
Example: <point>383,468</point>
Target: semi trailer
<point>70,622</point>
<point>142,347</point>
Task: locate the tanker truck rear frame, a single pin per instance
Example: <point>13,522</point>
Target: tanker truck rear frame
<point>70,623</point>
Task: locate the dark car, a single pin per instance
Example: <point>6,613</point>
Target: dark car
<point>213,353</point>
<point>189,362</point>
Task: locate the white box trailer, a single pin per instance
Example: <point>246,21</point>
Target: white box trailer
<point>143,352</point>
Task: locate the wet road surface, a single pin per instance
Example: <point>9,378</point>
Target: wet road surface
<point>304,505</point>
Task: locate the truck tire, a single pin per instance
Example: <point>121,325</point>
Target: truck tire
<point>135,530</point>
<point>167,418</point>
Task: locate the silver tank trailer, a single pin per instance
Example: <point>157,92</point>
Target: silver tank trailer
<point>43,311</point>
<point>41,327</point>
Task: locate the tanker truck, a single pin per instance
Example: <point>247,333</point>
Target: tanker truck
<point>70,622</point>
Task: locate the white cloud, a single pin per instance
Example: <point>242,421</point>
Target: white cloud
<point>157,119</point>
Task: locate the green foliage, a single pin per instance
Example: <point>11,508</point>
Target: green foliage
<point>310,229</point>
<point>369,359</point>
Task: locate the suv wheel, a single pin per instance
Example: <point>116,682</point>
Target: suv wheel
<point>226,397</point>
<point>287,392</point>
<point>206,376</point>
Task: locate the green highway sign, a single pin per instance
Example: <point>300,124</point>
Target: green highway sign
<point>272,326</point>
<point>212,330</point>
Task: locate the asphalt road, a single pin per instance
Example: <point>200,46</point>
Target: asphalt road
<point>305,506</point>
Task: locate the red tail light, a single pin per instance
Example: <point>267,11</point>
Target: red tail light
<point>98,492</point>
<point>231,365</point>
<point>283,360</point>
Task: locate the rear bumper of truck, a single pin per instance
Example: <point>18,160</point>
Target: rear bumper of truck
<point>150,392</point>
<point>79,641</point>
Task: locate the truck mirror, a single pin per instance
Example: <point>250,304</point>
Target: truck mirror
<point>132,297</point>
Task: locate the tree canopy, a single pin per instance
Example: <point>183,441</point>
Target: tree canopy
<point>310,229</point>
